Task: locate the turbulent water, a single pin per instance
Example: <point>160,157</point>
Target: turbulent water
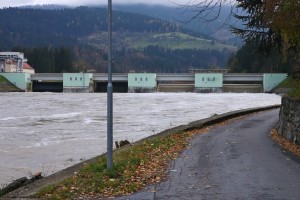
<point>50,131</point>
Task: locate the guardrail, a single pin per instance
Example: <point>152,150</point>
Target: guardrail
<point>159,77</point>
<point>47,77</point>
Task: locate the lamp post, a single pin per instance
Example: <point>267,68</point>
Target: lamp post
<point>109,92</point>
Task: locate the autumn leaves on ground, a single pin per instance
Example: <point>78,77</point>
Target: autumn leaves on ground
<point>135,166</point>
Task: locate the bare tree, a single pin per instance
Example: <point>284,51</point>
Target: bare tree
<point>250,13</point>
<point>206,10</point>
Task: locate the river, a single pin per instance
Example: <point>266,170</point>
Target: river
<point>47,132</point>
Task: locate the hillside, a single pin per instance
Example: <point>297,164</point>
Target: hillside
<point>140,42</point>
<point>6,86</point>
<point>167,40</point>
<point>36,27</point>
<point>218,30</point>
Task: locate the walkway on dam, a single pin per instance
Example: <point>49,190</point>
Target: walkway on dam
<point>235,161</point>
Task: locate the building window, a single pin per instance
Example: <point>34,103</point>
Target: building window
<point>146,79</point>
<point>202,78</point>
<point>75,78</point>
<point>141,79</point>
<point>81,78</point>
<point>135,78</point>
<point>70,78</point>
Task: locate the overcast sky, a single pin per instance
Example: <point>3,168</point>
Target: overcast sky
<point>13,3</point>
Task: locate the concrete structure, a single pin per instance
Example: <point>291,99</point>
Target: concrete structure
<point>196,71</point>
<point>77,82</point>
<point>175,82</point>
<point>47,82</point>
<point>120,82</point>
<point>208,82</point>
<point>20,80</point>
<point>270,81</point>
<point>141,82</point>
<point>289,119</point>
<point>47,77</point>
<point>242,88</point>
<point>12,61</point>
<point>151,82</point>
<point>242,77</point>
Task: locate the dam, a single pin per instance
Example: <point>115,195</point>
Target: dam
<point>146,82</point>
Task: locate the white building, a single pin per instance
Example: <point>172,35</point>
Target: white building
<point>14,62</point>
<point>27,68</point>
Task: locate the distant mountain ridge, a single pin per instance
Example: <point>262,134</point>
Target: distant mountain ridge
<point>36,27</point>
<point>218,29</point>
<point>175,14</point>
<point>141,43</point>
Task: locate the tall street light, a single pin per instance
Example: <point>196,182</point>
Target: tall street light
<point>109,92</point>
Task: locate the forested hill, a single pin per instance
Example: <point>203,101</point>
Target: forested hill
<point>79,35</point>
<point>63,27</point>
<point>218,29</point>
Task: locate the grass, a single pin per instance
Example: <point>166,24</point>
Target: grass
<point>171,40</point>
<point>133,169</point>
<point>295,93</point>
<point>294,84</point>
<point>3,79</point>
<point>175,41</point>
<point>135,166</point>
<point>7,86</point>
<point>290,83</point>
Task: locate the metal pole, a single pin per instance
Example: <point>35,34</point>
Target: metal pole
<point>109,92</point>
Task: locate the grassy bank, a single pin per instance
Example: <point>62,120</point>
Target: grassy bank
<point>146,162</point>
<point>3,79</point>
<point>135,166</point>
<point>7,86</point>
<point>294,84</point>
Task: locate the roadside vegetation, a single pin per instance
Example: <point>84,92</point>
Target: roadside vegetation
<point>295,84</point>
<point>135,166</point>
<point>285,144</point>
<point>7,86</point>
<point>3,79</point>
<point>292,82</point>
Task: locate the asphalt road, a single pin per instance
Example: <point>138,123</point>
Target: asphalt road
<point>231,162</point>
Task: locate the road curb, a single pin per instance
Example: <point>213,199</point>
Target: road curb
<point>28,191</point>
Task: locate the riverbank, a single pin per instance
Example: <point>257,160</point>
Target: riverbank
<point>72,172</point>
<point>238,160</point>
<point>6,86</point>
<point>48,132</point>
<point>289,87</point>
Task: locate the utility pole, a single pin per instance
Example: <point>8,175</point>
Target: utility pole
<point>109,92</point>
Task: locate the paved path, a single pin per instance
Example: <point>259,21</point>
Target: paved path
<point>235,161</point>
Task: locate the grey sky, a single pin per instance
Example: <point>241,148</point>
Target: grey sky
<point>13,3</point>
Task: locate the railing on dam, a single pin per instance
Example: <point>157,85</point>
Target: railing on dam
<point>47,77</point>
<point>153,81</point>
<point>243,77</point>
<point>115,77</point>
<point>175,77</point>
<point>102,77</point>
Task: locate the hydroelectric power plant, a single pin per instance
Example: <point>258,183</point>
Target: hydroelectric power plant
<point>143,82</point>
